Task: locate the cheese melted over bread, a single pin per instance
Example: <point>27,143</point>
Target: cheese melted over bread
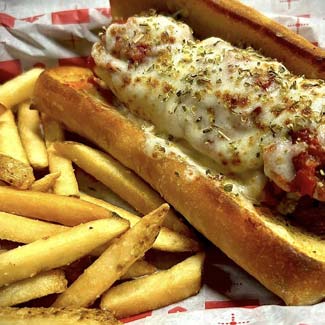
<point>247,113</point>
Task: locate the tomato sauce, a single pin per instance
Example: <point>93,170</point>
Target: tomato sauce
<point>308,164</point>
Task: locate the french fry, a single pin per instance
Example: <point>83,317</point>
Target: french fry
<point>167,239</point>
<point>45,183</point>
<point>15,172</point>
<point>31,136</point>
<point>66,184</point>
<point>68,211</point>
<point>10,143</point>
<point>25,230</point>
<point>157,290</point>
<point>57,250</point>
<point>19,89</point>
<point>56,316</point>
<point>40,285</point>
<point>114,262</point>
<point>139,268</point>
<point>120,180</point>
<point>95,188</point>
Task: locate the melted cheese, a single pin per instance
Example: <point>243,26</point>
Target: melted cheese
<point>278,163</point>
<point>229,104</point>
<point>249,185</point>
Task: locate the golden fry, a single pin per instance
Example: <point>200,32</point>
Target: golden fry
<point>95,188</point>
<point>57,250</point>
<point>10,143</point>
<point>25,230</point>
<point>120,180</point>
<point>66,184</point>
<point>167,239</point>
<point>40,285</point>
<point>114,262</point>
<point>157,290</point>
<point>56,316</point>
<point>15,172</point>
<point>20,88</point>
<point>139,268</point>
<point>68,211</point>
<point>46,183</point>
<point>30,133</point>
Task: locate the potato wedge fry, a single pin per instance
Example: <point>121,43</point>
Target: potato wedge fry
<point>25,230</point>
<point>56,316</point>
<point>58,250</point>
<point>40,285</point>
<point>167,240</point>
<point>15,172</point>
<point>139,268</point>
<point>10,143</point>
<point>114,262</point>
<point>20,88</point>
<point>29,128</point>
<point>68,211</point>
<point>45,183</point>
<point>157,290</point>
<point>66,184</point>
<point>120,180</point>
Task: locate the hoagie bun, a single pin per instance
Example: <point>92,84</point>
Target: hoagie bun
<point>238,24</point>
<point>286,259</point>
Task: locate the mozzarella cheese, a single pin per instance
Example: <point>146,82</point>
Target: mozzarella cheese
<point>232,105</point>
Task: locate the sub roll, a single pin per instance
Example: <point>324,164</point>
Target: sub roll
<point>232,139</point>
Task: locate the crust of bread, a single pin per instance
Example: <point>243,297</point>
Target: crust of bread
<point>284,259</point>
<point>240,25</point>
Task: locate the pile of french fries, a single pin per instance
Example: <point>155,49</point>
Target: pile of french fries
<point>53,224</point>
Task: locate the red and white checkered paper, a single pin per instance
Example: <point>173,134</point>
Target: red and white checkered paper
<point>48,33</point>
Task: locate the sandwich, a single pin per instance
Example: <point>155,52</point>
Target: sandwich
<point>232,136</point>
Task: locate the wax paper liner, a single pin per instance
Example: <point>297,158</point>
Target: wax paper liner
<point>49,33</point>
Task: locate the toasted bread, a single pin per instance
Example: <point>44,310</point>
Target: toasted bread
<point>238,24</point>
<point>285,259</point>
